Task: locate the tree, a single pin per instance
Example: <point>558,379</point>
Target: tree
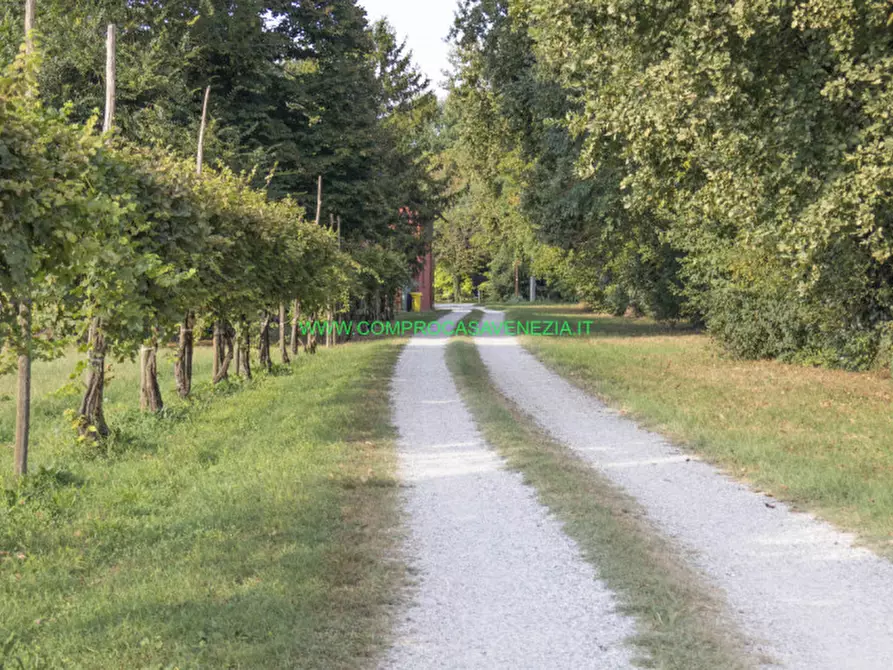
<point>47,217</point>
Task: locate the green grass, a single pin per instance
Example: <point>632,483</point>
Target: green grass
<point>820,439</point>
<point>252,528</point>
<point>54,392</point>
<point>681,623</point>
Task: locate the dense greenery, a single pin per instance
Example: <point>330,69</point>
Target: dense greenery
<point>728,161</point>
<point>118,241</point>
<point>299,89</point>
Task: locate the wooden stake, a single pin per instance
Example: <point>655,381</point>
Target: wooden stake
<point>109,120</point>
<point>23,398</point>
<point>30,13</point>
<point>319,201</point>
<point>92,415</point>
<point>23,394</point>
<point>200,154</point>
<point>517,279</point>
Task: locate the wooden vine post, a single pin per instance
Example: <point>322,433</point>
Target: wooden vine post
<point>110,47</point>
<point>200,152</point>
<point>330,313</point>
<point>283,340</point>
<point>30,14</point>
<point>517,279</point>
<point>23,392</point>
<point>150,392</point>
<point>186,342</point>
<point>334,337</point>
<point>319,201</point>
<point>91,412</point>
<point>310,343</point>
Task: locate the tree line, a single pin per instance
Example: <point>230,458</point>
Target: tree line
<point>729,163</point>
<point>223,124</point>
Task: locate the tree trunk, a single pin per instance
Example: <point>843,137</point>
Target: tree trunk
<point>23,398</point>
<point>263,346</point>
<point>185,348</point>
<point>296,320</point>
<point>245,338</point>
<point>457,288</point>
<point>283,342</point>
<point>223,351</point>
<point>91,414</point>
<point>239,355</point>
<point>311,341</point>
<point>150,393</point>
<point>218,349</point>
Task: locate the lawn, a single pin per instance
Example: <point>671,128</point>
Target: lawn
<point>818,438</point>
<point>253,527</point>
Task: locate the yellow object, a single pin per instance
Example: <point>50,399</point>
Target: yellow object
<point>416,302</point>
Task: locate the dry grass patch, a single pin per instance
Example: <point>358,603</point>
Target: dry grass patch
<point>820,439</point>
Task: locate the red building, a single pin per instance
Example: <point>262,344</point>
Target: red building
<point>423,282</point>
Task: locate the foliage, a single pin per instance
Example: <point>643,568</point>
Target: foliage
<point>125,238</point>
<point>298,90</point>
<point>731,160</point>
<point>101,231</point>
<point>48,212</point>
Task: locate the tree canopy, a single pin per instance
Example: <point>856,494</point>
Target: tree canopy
<point>727,162</point>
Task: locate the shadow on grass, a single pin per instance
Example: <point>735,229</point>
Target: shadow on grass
<point>262,539</point>
<point>227,590</point>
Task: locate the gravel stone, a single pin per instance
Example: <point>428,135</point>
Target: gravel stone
<point>499,585</point>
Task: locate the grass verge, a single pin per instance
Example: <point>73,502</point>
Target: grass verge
<point>473,317</point>
<point>820,439</point>
<point>681,623</point>
<point>257,530</point>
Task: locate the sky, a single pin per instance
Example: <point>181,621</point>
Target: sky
<point>425,24</point>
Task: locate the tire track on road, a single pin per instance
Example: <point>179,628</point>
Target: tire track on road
<point>499,584</point>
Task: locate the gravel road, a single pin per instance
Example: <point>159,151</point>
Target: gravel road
<point>498,583</point>
<point>804,594</point>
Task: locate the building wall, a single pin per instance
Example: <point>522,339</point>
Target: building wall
<point>425,282</point>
